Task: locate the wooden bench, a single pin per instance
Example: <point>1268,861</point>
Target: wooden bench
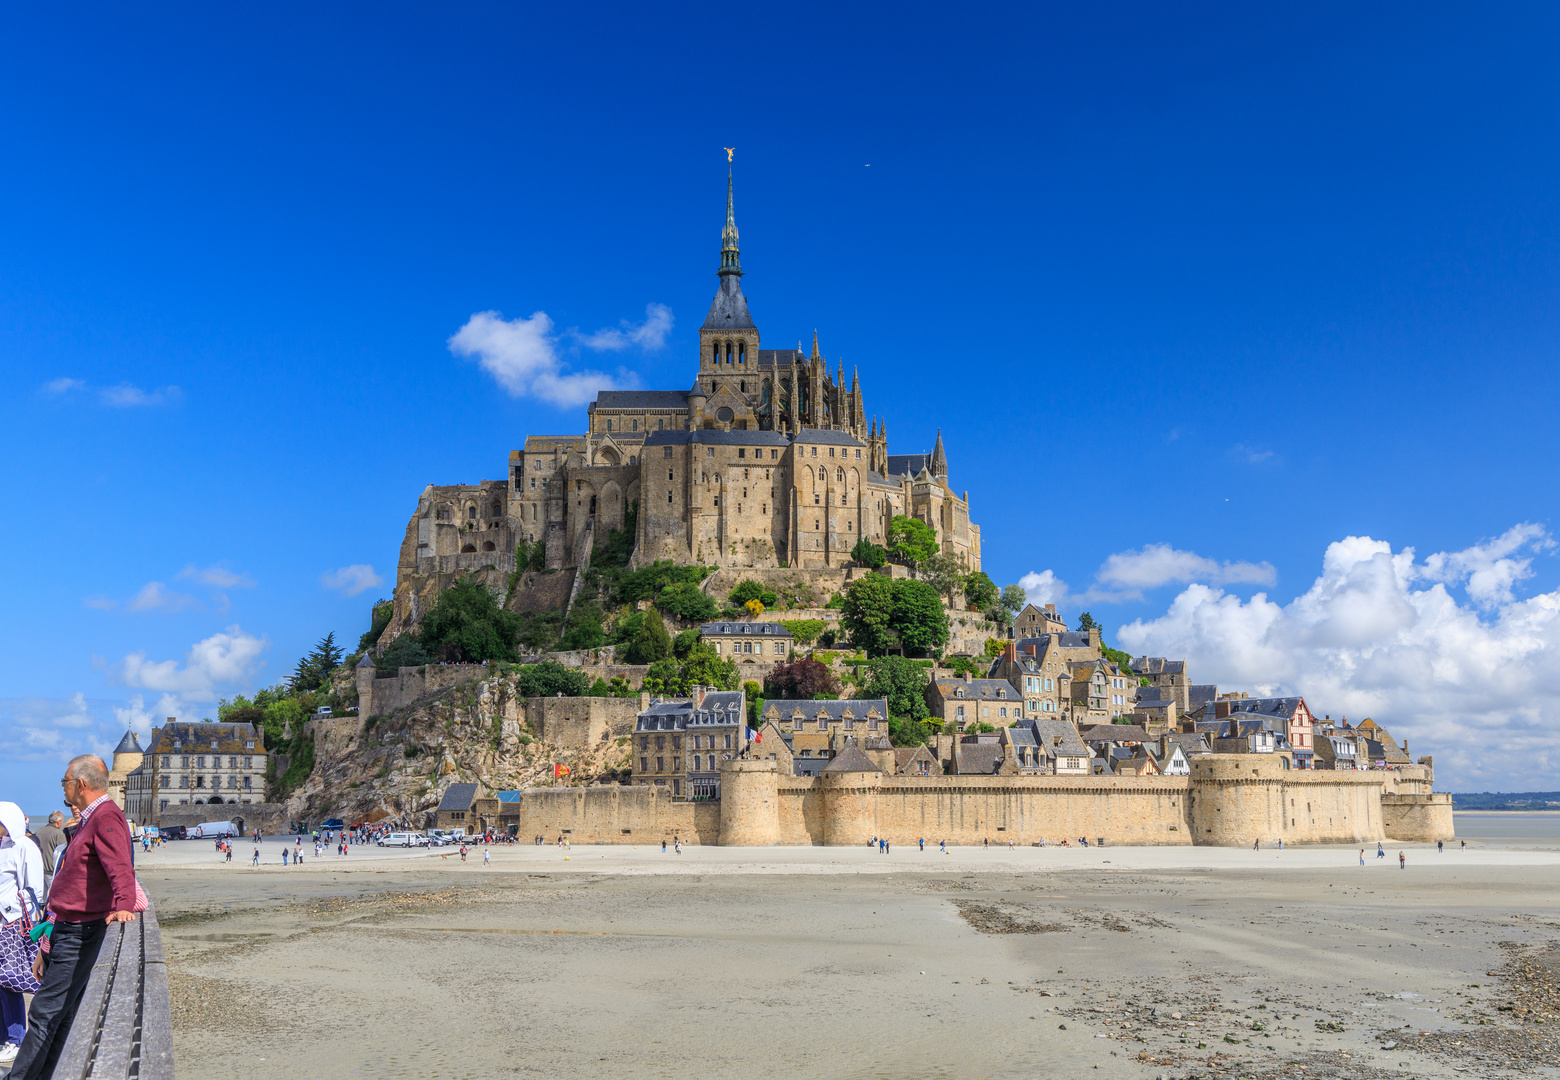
<point>123,1027</point>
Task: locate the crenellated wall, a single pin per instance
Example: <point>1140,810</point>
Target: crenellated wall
<point>1230,799</point>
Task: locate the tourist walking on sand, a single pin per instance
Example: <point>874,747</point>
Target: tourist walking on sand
<point>94,885</point>
<point>1362,856</point>
<point>486,861</point>
<point>21,878</point>
<point>284,856</point>
<point>677,845</point>
<point>922,841</point>
<point>463,853</point>
<point>1402,861</point>
<point>256,860</point>
<point>1379,853</point>
<point>1438,848</point>
<point>1256,845</point>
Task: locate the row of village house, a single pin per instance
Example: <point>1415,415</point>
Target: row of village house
<point>1052,704</point>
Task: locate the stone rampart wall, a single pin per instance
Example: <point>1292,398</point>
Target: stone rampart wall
<point>1417,817</point>
<point>613,814</point>
<point>582,722</point>
<point>270,818</point>
<point>384,693</point>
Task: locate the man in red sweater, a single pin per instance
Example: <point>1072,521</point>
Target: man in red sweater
<point>94,885</point>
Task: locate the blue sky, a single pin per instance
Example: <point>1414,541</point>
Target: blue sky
<point>1240,326</point>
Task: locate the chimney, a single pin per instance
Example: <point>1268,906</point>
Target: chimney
<point>1050,609</point>
<point>967,676</point>
<point>1010,653</point>
<point>696,692</point>
<point>1094,637</point>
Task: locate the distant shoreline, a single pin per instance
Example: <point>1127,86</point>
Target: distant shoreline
<point>1507,810</point>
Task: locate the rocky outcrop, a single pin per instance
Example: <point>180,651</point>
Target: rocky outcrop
<point>478,731</point>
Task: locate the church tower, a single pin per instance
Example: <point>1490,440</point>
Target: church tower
<point>728,340</point>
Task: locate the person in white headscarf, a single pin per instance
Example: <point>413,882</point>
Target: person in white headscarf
<point>21,869</point>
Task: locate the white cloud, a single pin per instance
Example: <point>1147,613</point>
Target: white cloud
<point>1160,564</point>
<point>1380,634</point>
<point>1252,455</point>
<point>132,715</point>
<point>219,577</point>
<point>121,396</point>
<point>351,580</point>
<point>648,335</point>
<point>155,596</point>
<point>523,354</point>
<point>125,396</point>
<point>1043,588</point>
<point>223,659</point>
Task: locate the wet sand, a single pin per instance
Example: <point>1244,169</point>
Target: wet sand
<point>829,962</point>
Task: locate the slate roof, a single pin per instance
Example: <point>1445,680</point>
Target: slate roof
<point>720,707</point>
<point>851,759</point>
<point>1116,733</point>
<point>1058,737</point>
<point>639,399</point>
<point>717,438</point>
<point>729,309</point>
<point>546,444</point>
<point>770,357</point>
<point>1275,706</point>
<point>1199,694</point>
<point>977,690</point>
<point>1191,742</point>
<point>1069,639</point>
<point>128,745</point>
<point>195,738</point>
<point>978,759</point>
<point>834,708</point>
<point>908,464</point>
<point>1158,665</point>
<point>755,629</point>
<point>903,755</point>
<point>826,436</point>
<point>458,797</point>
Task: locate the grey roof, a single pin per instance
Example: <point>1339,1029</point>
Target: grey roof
<point>825,435</point>
<point>719,707</point>
<point>1275,706</point>
<point>833,707</point>
<point>717,438</point>
<point>1059,737</point>
<point>1199,694</point>
<point>765,629</point>
<point>729,310</point>
<point>1155,702</point>
<point>1115,733</point>
<point>639,399</point>
<point>978,690</point>
<point>851,759</point>
<point>1190,742</point>
<point>1158,665</point>
<point>978,759</point>
<point>458,797</point>
<point>128,745</point>
<point>1068,639</point>
<point>908,464</point>
<point>769,357</point>
<point>367,661</point>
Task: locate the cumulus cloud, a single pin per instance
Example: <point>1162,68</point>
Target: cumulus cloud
<point>120,396</point>
<point>524,355</point>
<point>155,596</point>
<point>351,580</point>
<point>1380,633</point>
<point>227,658</point>
<point>648,335</point>
<point>218,577</point>
<point>1161,564</point>
<point>37,729</point>
<point>1043,588</point>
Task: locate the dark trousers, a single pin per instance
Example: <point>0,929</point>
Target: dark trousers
<point>73,950</point>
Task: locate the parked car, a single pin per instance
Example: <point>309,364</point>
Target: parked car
<point>175,832</point>
<point>396,839</point>
<point>333,823</point>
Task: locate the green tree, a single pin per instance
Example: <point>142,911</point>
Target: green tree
<point>315,668</point>
<point>748,589</point>
<point>805,631</point>
<point>664,677</point>
<point>706,667</point>
<point>941,572</point>
<point>980,592</point>
<point>918,616</point>
<point>1014,600</point>
<point>466,625</point>
<point>867,611</point>
<point>685,641</point>
<point>1086,622</point>
<point>584,628</point>
<point>911,539</point>
<point>902,682</point>
<point>686,602</point>
<point>652,643</point>
<point>994,647</point>
<point>379,618</point>
<point>868,554</point>
<point>551,679</point>
<point>404,651</point>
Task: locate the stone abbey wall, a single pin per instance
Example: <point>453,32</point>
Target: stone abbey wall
<point>1230,799</point>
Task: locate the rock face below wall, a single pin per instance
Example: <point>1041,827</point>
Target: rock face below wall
<point>478,730</point>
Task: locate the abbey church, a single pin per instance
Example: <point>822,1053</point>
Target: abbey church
<point>767,460</point>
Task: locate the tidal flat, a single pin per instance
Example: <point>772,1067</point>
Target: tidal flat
<point>831,962</point>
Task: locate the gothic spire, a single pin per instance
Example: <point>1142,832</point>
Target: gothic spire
<point>939,457</point>
<point>730,263</point>
<point>815,345</point>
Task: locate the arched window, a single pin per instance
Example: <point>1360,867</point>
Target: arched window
<point>498,508</point>
<point>469,549</point>
<point>742,352</point>
<point>488,545</point>
<point>609,425</point>
<point>715,353</point>
<point>823,475</point>
<point>839,474</point>
<point>471,513</point>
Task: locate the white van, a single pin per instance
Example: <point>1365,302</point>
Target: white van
<point>397,839</point>
<point>212,829</point>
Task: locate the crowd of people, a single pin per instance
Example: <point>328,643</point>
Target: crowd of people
<point>61,885</point>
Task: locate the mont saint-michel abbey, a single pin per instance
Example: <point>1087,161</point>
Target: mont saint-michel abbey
<point>767,460</point>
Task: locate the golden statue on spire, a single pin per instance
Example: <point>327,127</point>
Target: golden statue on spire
<point>729,151</point>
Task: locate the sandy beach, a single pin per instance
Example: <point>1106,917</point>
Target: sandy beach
<point>830,962</point>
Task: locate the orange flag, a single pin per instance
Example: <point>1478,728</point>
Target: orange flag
<point>560,770</point>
